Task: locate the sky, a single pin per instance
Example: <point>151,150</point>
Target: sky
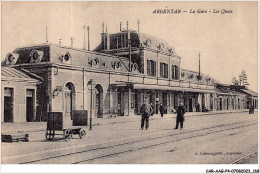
<point>227,42</point>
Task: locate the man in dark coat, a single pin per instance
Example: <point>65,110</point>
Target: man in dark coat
<point>180,116</point>
<point>198,107</point>
<point>161,108</point>
<point>146,111</point>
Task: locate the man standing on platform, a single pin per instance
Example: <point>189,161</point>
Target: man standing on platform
<point>180,115</point>
<point>146,111</point>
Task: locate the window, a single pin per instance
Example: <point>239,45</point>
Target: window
<point>8,104</point>
<point>10,58</point>
<point>148,67</point>
<point>164,70</point>
<point>161,69</point>
<point>134,67</point>
<point>174,72</point>
<point>35,55</point>
<point>151,68</point>
<point>66,56</point>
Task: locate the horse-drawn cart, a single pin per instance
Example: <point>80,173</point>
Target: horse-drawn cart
<point>58,124</point>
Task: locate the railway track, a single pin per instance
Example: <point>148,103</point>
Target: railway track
<point>246,159</point>
<point>93,154</point>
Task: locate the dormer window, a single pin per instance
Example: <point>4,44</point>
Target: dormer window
<point>134,67</point>
<point>117,65</point>
<point>67,57</point>
<point>35,55</point>
<point>10,58</point>
<point>94,62</point>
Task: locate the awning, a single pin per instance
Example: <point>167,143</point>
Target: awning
<point>199,90</point>
<point>171,88</point>
<point>157,87</point>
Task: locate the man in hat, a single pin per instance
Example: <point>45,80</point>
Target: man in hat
<point>146,111</point>
<point>180,115</point>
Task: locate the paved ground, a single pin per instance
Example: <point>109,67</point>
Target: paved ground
<point>123,130</point>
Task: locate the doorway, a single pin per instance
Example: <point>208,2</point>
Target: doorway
<point>190,105</point>
<point>98,101</point>
<point>220,104</point>
<point>69,94</point>
<point>8,104</point>
<point>29,105</point>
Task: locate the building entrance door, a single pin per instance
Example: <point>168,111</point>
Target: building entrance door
<point>98,101</point>
<point>97,105</point>
<point>190,105</point>
<point>68,103</point>
<point>29,105</point>
<point>120,105</point>
<point>220,104</point>
<point>8,105</point>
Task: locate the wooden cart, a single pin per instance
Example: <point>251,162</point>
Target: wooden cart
<point>57,124</point>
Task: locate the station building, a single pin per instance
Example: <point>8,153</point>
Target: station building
<point>122,70</point>
<point>18,98</point>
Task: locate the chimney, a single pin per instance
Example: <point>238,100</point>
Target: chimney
<point>120,26</point>
<point>60,41</point>
<point>138,23</point>
<point>71,41</point>
<point>107,39</point>
<point>103,28</point>
<point>88,39</point>
<point>84,43</point>
<point>103,36</point>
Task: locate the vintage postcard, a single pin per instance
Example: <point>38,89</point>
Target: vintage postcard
<point>172,82</point>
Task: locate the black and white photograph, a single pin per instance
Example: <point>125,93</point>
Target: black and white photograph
<point>120,82</point>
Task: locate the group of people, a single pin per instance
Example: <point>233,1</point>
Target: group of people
<point>147,110</point>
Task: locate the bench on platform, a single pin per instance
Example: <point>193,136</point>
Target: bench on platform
<point>15,138</point>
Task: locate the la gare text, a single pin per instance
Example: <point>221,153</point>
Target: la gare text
<point>200,11</point>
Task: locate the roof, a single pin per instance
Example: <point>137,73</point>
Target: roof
<point>137,40</point>
<point>250,92</point>
<point>12,74</point>
<point>188,75</point>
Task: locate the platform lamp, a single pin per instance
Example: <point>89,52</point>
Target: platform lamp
<point>90,87</point>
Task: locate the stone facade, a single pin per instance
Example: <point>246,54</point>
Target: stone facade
<point>123,75</point>
<point>18,95</point>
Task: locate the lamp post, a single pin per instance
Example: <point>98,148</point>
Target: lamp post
<point>90,86</point>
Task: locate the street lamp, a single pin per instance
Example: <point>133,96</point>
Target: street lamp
<point>90,87</point>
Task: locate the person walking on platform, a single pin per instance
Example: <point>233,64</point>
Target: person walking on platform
<point>146,111</point>
<point>180,116</point>
<point>161,109</point>
<point>198,107</point>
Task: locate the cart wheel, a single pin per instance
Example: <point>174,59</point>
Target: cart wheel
<point>82,133</point>
<point>66,134</point>
<point>49,134</point>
